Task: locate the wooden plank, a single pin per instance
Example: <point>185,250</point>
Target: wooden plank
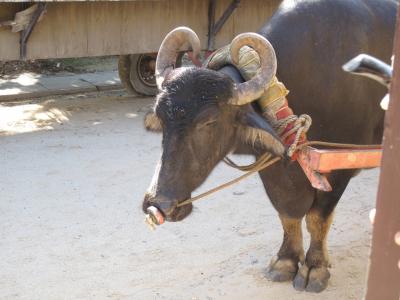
<point>77,29</point>
<point>325,161</point>
<point>252,14</point>
<point>9,44</point>
<point>249,16</point>
<point>60,1</point>
<point>61,33</point>
<point>103,31</point>
<point>146,36</point>
<point>384,271</point>
<point>317,180</point>
<point>226,34</point>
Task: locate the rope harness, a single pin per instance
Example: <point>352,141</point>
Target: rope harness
<point>291,128</point>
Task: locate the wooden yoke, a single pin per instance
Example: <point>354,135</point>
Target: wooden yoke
<point>292,129</point>
<point>314,162</point>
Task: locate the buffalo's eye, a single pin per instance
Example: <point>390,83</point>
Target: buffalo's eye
<point>206,124</point>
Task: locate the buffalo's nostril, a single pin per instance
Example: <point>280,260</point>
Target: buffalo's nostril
<point>161,202</point>
<point>154,216</point>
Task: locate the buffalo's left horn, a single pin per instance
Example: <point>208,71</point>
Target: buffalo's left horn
<point>179,39</point>
<point>249,91</point>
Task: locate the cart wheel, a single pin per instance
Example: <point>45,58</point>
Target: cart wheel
<point>124,68</point>
<point>142,74</point>
<point>136,72</point>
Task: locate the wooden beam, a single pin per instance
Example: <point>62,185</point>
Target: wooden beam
<point>384,271</point>
<point>39,9</point>
<point>317,180</point>
<point>327,160</point>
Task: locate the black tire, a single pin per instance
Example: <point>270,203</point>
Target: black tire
<point>124,70</point>
<point>136,72</point>
<point>142,75</point>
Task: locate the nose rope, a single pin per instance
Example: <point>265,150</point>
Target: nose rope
<point>262,162</point>
<point>265,161</point>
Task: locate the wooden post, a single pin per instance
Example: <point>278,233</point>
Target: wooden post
<point>384,271</point>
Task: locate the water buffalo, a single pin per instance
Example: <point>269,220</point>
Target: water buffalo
<point>205,115</point>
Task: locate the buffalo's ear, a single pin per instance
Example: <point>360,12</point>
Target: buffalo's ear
<point>152,122</point>
<point>255,131</point>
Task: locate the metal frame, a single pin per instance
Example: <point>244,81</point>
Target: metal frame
<point>215,27</point>
<point>26,33</point>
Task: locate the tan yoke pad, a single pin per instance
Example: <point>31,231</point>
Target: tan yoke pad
<point>249,64</point>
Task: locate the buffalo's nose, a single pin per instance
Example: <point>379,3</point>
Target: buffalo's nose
<point>164,204</point>
<point>167,207</point>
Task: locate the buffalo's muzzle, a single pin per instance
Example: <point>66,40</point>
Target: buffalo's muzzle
<point>166,207</point>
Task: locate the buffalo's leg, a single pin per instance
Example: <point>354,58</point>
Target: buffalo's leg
<point>284,266</point>
<point>313,275</point>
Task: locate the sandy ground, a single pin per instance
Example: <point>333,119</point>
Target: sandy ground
<point>73,174</point>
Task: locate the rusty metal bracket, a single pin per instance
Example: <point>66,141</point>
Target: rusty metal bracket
<point>215,27</point>
<point>25,33</point>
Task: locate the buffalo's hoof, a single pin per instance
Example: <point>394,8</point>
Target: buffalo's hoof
<point>280,270</point>
<point>313,280</point>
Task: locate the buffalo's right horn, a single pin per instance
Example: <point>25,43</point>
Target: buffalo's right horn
<point>179,39</point>
<point>249,91</point>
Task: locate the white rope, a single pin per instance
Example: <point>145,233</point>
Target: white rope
<point>301,124</point>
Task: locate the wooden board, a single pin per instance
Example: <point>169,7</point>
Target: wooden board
<point>316,162</point>
<point>79,29</point>
<point>9,42</point>
<point>325,161</point>
<point>61,33</point>
<point>384,271</point>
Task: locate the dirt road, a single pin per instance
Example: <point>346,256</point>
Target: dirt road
<point>73,174</point>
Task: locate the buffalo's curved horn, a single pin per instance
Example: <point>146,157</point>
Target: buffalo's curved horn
<point>179,39</point>
<point>249,91</point>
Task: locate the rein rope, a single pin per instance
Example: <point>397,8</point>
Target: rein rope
<point>262,162</point>
<point>266,160</point>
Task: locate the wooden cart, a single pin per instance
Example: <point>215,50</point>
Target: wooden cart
<point>131,29</point>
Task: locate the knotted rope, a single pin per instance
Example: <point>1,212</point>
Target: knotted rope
<point>300,124</point>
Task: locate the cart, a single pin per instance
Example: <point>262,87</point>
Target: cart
<point>131,29</point>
